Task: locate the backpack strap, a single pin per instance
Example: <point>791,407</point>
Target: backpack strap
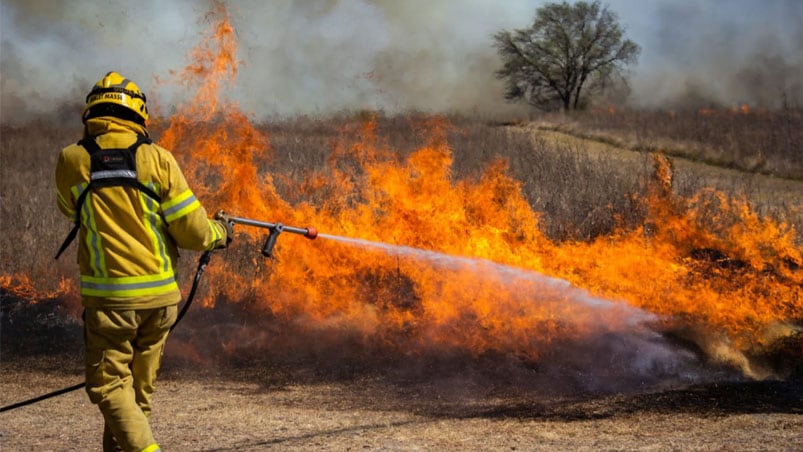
<point>109,168</point>
<point>115,167</point>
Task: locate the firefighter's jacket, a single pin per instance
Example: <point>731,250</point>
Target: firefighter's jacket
<point>126,253</point>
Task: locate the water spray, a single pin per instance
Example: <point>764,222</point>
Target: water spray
<point>274,230</point>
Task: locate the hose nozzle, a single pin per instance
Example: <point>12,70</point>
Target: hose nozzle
<point>274,228</point>
<point>311,233</point>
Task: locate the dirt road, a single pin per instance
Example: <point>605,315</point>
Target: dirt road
<point>766,193</point>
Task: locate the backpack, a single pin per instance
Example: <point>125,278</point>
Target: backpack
<point>108,168</point>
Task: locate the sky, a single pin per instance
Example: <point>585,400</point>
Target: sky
<point>323,56</point>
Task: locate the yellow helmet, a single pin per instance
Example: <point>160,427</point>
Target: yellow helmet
<point>112,92</point>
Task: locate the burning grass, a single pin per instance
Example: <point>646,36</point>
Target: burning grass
<point>453,238</point>
<point>721,278</point>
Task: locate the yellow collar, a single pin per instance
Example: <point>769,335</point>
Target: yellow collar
<point>110,124</point>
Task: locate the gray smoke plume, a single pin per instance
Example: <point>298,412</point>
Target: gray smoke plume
<point>720,53</point>
<point>324,56</point>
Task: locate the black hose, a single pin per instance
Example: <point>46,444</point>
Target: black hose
<point>202,262</point>
<point>43,397</point>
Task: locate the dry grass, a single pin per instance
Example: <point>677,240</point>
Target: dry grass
<point>622,170</point>
<point>583,182</point>
<point>583,188</point>
<point>766,142</point>
<point>34,228</point>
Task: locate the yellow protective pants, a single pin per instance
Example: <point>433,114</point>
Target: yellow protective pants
<point>123,354</point>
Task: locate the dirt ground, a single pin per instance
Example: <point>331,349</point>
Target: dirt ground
<point>261,407</point>
<point>299,391</point>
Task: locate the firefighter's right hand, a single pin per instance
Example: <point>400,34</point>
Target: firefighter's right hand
<point>229,229</point>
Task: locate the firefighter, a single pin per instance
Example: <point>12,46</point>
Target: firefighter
<point>133,209</point>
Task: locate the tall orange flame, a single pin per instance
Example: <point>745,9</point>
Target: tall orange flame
<point>214,139</point>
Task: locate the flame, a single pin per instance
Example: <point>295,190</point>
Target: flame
<point>213,139</point>
<point>21,286</point>
<point>742,109</point>
<point>412,259</point>
<point>734,281</point>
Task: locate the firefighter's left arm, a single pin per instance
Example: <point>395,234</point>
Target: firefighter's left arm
<point>64,195</point>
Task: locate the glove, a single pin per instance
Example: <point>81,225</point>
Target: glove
<point>229,228</point>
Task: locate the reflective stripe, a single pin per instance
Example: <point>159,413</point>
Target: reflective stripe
<point>128,286</point>
<point>179,206</point>
<point>76,193</point>
<point>65,205</point>
<point>153,219</point>
<point>152,448</point>
<point>97,259</point>
<point>114,173</point>
<point>215,230</point>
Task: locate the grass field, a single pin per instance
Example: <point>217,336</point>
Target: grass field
<point>253,368</point>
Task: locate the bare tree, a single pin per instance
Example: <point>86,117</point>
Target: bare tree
<point>569,51</point>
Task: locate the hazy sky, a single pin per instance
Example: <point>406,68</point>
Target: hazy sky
<point>319,56</point>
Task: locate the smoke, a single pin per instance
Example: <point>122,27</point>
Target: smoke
<point>612,362</point>
<point>721,53</point>
<point>324,56</point>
